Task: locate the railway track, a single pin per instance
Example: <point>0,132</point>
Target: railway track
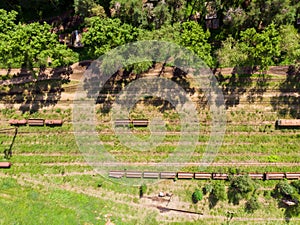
<point>154,165</point>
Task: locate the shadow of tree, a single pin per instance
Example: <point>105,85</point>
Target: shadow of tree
<point>116,83</point>
<point>35,92</point>
<point>256,93</point>
<point>234,86</point>
<point>241,82</point>
<point>110,89</point>
<point>213,200</point>
<point>287,103</point>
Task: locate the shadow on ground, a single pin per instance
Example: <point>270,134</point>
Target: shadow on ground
<point>35,92</point>
<point>287,103</point>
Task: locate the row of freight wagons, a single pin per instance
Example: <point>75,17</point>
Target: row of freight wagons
<point>200,175</point>
<point>35,122</point>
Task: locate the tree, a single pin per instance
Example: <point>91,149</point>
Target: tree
<point>197,196</point>
<point>230,53</point>
<point>195,39</point>
<point>7,20</point>
<point>254,49</point>
<point>132,12</point>
<point>33,45</point>
<point>283,189</point>
<point>261,48</point>
<point>217,194</point>
<point>105,34</point>
<point>262,13</point>
<point>33,10</point>
<point>88,8</point>
<point>289,45</point>
<point>240,187</point>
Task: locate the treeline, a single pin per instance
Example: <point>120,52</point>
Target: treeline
<point>227,33</point>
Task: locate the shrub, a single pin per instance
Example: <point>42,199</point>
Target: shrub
<point>240,187</point>
<point>197,196</point>
<point>252,204</point>
<point>283,189</point>
<point>273,158</point>
<point>217,194</point>
<point>143,189</point>
<point>207,188</point>
<point>296,185</point>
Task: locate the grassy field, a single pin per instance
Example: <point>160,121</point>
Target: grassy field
<point>51,183</point>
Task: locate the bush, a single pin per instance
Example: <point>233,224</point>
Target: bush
<point>240,187</point>
<point>218,193</point>
<point>197,196</point>
<point>273,158</point>
<point>296,185</point>
<point>251,205</point>
<point>283,189</point>
<point>207,189</point>
<point>143,189</point>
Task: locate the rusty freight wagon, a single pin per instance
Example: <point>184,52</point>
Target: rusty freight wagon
<point>17,122</point>
<point>202,175</point>
<point>185,175</point>
<point>122,122</point>
<point>140,122</point>
<point>274,176</point>
<point>35,122</point>
<point>291,123</point>
<point>52,123</point>
<point>5,165</point>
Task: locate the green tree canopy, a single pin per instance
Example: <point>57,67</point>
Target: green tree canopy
<point>289,44</point>
<point>7,20</point>
<point>217,194</point>
<point>194,38</point>
<point>88,8</point>
<point>32,45</point>
<point>240,187</point>
<point>105,34</point>
<point>261,49</point>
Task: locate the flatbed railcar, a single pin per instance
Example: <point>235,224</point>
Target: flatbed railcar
<point>292,176</point>
<point>123,122</point>
<point>35,122</point>
<point>185,175</point>
<point>134,174</point>
<point>274,176</point>
<point>53,123</point>
<point>256,176</point>
<point>168,175</point>
<point>220,176</point>
<point>5,165</point>
<point>203,176</point>
<point>287,123</point>
<point>140,122</point>
<point>153,175</point>
<point>116,174</point>
<point>13,122</point>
